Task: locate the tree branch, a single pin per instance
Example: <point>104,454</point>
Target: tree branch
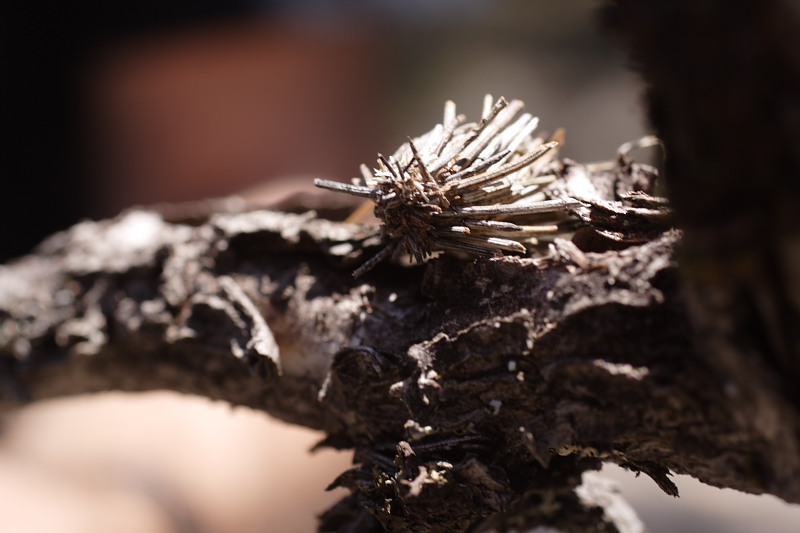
<point>473,401</point>
<point>467,398</point>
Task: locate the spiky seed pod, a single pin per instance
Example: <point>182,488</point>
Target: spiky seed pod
<point>458,187</point>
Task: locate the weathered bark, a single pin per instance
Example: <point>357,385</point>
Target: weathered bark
<point>472,391</point>
<point>476,393</point>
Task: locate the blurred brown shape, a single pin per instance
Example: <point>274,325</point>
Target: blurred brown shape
<point>210,111</point>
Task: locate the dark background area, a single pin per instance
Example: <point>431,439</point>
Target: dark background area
<point>48,51</point>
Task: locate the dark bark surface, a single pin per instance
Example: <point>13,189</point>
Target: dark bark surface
<point>477,393</point>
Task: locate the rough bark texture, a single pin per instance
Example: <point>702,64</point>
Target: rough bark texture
<point>475,393</point>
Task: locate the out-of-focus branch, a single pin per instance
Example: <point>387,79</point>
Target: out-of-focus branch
<point>724,95</point>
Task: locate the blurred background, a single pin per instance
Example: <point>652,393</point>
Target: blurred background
<point>106,105</point>
<point>113,104</point>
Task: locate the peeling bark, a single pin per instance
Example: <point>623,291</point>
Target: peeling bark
<point>475,393</point>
